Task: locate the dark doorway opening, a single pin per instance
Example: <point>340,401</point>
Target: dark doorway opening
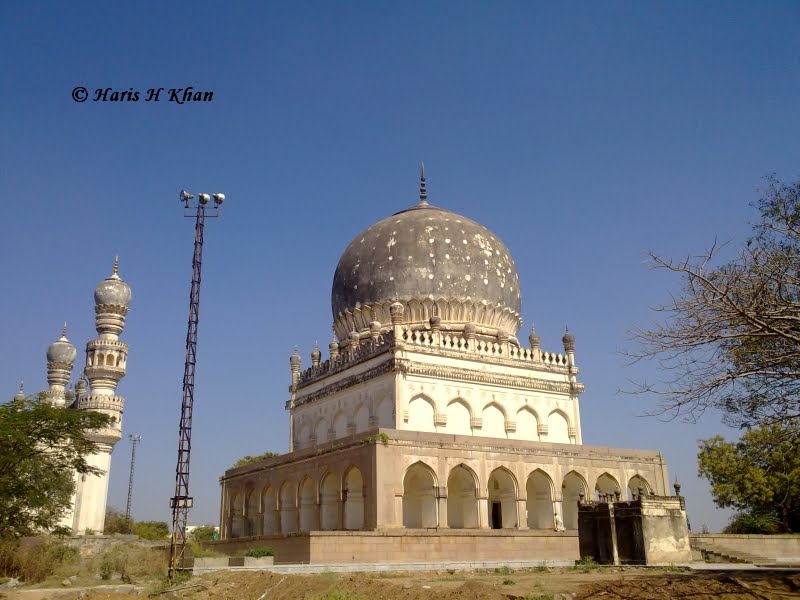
<point>497,515</point>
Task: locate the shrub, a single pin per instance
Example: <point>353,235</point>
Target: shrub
<point>204,533</point>
<point>508,582</point>
<point>504,570</point>
<point>115,521</point>
<point>106,569</point>
<point>36,561</point>
<point>752,523</point>
<point>259,552</point>
<point>151,530</point>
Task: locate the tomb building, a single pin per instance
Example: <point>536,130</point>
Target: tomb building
<point>430,419</point>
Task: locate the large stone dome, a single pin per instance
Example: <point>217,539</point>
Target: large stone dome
<point>112,290</point>
<point>432,261</point>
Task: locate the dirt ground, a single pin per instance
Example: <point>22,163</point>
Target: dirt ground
<point>528,584</point>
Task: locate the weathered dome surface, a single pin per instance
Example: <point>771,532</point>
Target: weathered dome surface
<point>421,257</point>
<point>61,351</point>
<point>113,291</point>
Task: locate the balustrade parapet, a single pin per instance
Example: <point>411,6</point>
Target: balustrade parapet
<point>426,339</point>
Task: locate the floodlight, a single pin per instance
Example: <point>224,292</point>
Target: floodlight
<point>186,196</point>
<point>204,198</point>
<point>218,198</point>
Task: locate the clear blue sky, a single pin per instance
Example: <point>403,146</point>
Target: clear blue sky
<point>583,134</point>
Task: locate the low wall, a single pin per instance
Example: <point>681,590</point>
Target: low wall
<point>786,546</point>
<point>410,546</point>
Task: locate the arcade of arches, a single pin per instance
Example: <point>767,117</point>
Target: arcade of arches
<point>330,499</point>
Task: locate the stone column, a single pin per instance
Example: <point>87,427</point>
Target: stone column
<point>483,512</point>
<point>441,500</point>
<point>340,514</point>
<point>522,513</point>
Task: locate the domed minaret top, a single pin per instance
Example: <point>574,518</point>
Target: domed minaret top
<point>60,359</point>
<point>20,395</point>
<point>111,298</point>
<point>421,257</point>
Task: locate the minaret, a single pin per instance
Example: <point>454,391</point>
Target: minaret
<point>106,360</point>
<point>60,359</point>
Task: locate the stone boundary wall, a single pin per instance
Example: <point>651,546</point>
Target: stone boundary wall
<point>407,546</point>
<point>784,546</point>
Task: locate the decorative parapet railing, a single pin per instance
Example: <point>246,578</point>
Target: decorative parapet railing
<point>431,340</point>
<point>427,338</point>
<point>346,358</point>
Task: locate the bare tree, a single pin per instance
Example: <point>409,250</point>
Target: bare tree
<point>731,339</point>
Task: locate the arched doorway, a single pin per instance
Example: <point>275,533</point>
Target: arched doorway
<point>572,489</point>
<point>502,492</point>
<point>308,505</point>
<point>329,503</point>
<point>419,497</point>
<point>353,495</point>
<point>539,489</point>
<point>288,507</point>
<point>462,499</point>
<point>269,506</point>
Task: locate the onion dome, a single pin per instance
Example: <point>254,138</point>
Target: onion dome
<point>112,290</point>
<point>569,341</point>
<point>315,353</point>
<point>62,351</point>
<point>80,387</point>
<point>534,338</point>
<point>423,257</point>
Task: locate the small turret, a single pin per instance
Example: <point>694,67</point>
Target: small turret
<point>315,355</point>
<point>60,359</point>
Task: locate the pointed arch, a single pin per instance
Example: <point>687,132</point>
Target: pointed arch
<point>494,418</point>
<point>321,430</point>
<point>236,514</point>
<point>462,498</point>
<point>606,486</point>
<point>527,424</point>
<point>307,504</point>
<point>459,417</point>
<point>361,417</point>
<point>419,497</point>
<point>558,427</point>
<point>329,495</point>
<point>269,508</point>
<point>252,503</point>
<point>421,411</point>
<point>340,424</point>
<point>502,495</point>
<point>636,482</point>
<point>353,498</point>
<point>288,506</point>
<point>384,412</point>
<point>573,489</point>
<point>539,504</point>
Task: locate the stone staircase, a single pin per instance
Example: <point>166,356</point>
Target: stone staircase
<point>716,553</point>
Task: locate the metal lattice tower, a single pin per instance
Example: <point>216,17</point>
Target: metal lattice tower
<point>181,502</point>
<point>135,439</point>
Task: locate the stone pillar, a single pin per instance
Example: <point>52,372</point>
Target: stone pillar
<point>340,514</point>
<point>441,500</point>
<point>558,515</point>
<point>398,510</point>
<point>483,512</point>
<point>522,513</point>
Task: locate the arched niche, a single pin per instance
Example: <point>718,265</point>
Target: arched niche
<point>558,428</point>
<point>459,418</point>
<point>288,507</point>
<point>636,482</point>
<point>494,421</point>
<point>606,487</point>
<point>269,506</point>
<point>329,503</point>
<point>420,414</point>
<point>527,425</point>
<point>573,488</point>
<point>308,505</point>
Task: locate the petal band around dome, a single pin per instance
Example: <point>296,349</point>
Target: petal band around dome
<point>424,256</point>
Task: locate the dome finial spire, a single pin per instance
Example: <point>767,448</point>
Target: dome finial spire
<point>115,274</point>
<point>64,330</point>
<point>423,194</point>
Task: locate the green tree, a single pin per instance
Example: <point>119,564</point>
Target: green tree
<point>41,447</point>
<point>758,475</point>
<point>731,339</point>
<point>204,533</point>
<point>115,521</point>
<point>151,530</point>
<point>249,460</point>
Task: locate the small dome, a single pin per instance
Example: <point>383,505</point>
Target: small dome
<point>20,395</point>
<point>112,291</point>
<point>62,350</point>
<point>569,341</point>
<point>421,256</point>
